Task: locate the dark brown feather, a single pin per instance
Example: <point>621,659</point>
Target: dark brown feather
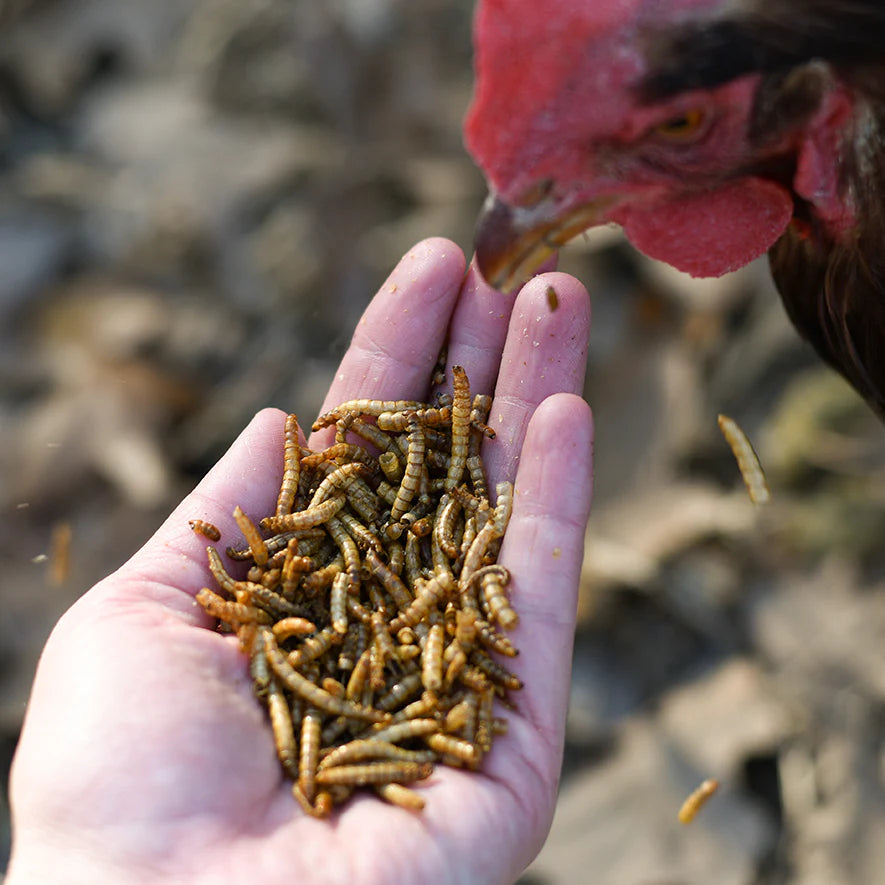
<point>834,292</point>
<point>833,286</point>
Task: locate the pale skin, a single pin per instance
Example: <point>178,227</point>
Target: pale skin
<point>144,756</point>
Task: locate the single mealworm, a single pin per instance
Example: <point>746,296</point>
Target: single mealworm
<point>403,797</point>
<point>747,459</point>
<point>305,519</point>
<point>452,746</point>
<point>371,748</point>
<point>206,529</point>
<point>431,659</point>
<point>281,725</point>
<point>374,773</point>
<point>230,612</point>
<point>253,537</point>
<point>412,475</point>
<point>309,756</point>
<point>460,427</point>
<point>291,467</point>
<point>372,407</point>
<point>696,800</point>
<point>338,603</point>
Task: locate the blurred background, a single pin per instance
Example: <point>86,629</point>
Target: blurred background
<point>198,198</point>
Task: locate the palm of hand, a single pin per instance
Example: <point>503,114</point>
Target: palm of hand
<point>143,741</point>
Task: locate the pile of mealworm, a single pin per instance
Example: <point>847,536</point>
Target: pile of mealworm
<point>372,607</point>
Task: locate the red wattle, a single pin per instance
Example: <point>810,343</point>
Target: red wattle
<point>710,233</point>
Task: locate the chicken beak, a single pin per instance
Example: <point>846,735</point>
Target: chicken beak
<point>512,242</point>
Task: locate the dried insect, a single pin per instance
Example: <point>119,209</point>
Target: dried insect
<point>431,659</point>
<point>372,407</point>
<point>293,626</point>
<point>696,800</point>
<point>374,773</point>
<point>232,613</point>
<point>747,459</point>
<point>426,598</point>
<point>397,794</point>
<point>281,725</point>
<point>552,299</point>
<point>412,475</point>
<point>309,756</point>
<point>338,603</point>
<point>305,519</point>
<point>253,537</point>
<point>371,748</point>
<point>291,467</point>
<point>460,427</point>
<point>452,746</point>
<point>206,529</point>
<point>493,593</point>
<point>396,422</point>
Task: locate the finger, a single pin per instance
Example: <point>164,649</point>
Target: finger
<point>543,549</point>
<point>400,335</point>
<point>248,475</point>
<point>479,329</point>
<point>545,353</point>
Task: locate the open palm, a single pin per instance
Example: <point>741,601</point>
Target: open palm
<point>144,754</point>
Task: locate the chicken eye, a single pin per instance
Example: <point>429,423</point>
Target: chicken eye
<point>683,127</point>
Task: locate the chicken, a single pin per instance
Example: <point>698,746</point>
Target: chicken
<point>712,131</point>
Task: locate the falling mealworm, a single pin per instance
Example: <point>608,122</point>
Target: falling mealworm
<point>369,601</point>
<point>696,800</point>
<point>747,459</point>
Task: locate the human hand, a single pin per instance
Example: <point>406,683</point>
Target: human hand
<point>144,755</point>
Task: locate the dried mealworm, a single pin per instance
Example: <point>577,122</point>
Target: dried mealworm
<point>339,451</point>
<point>371,748</point>
<point>403,797</point>
<point>493,593</point>
<point>696,801</point>
<point>396,422</point>
<point>391,466</point>
<point>403,731</point>
<point>206,529</point>
<point>338,480</point>
<point>338,603</point>
<point>371,434</point>
<point>305,519</point>
<point>359,676</point>
<point>322,578</point>
<point>349,551</point>
<point>747,460</point>
<point>253,537</point>
<point>444,527</point>
<point>373,407</point>
<point>293,626</point>
<point>311,692</point>
<point>230,612</point>
<point>477,476</point>
<point>375,773</point>
<point>321,809</point>
<point>452,746</point>
<point>460,427</point>
<point>495,671</point>
<point>309,756</point>
<point>225,581</point>
<point>281,725</point>
<point>364,536</point>
<point>412,475</point>
<point>291,467</point>
<point>431,659</point>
